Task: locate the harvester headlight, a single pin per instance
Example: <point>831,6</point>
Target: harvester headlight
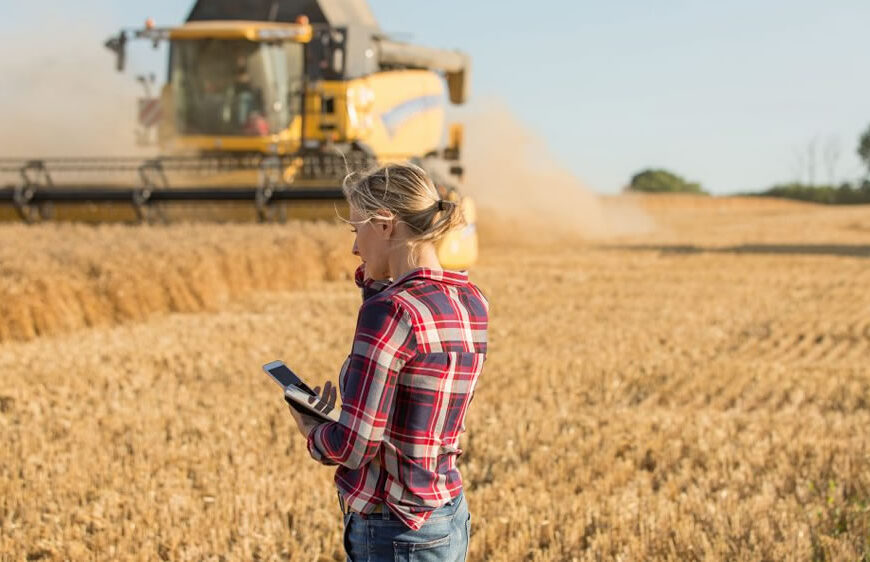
<point>351,113</point>
<point>359,102</point>
<point>362,96</point>
<point>365,96</point>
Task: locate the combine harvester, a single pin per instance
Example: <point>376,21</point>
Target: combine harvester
<point>267,103</point>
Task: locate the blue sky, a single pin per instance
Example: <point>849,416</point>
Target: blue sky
<point>727,94</point>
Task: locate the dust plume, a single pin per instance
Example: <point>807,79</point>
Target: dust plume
<point>522,192</point>
<point>61,95</point>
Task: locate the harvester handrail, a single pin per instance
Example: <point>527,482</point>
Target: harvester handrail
<point>184,163</point>
<point>93,193</point>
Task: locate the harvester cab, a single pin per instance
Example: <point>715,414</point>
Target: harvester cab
<point>232,86</point>
<point>285,97</point>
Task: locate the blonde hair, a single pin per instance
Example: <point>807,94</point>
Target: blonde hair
<point>407,193</point>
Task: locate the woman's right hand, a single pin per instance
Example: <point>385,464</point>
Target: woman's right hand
<point>327,400</point>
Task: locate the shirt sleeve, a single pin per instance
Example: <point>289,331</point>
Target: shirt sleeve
<point>383,343</point>
<point>370,287</point>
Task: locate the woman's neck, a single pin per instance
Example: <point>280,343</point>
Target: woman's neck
<point>403,260</point>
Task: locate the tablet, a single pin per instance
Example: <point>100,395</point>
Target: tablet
<point>296,392</point>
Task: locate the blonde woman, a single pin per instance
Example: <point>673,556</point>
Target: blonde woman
<point>417,353</point>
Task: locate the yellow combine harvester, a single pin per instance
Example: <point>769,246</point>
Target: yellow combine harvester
<point>272,102</point>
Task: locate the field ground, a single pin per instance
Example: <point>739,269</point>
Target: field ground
<point>699,391</point>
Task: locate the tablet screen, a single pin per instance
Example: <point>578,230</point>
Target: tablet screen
<point>285,377</point>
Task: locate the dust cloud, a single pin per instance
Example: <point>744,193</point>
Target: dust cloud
<point>524,195</point>
<point>61,95</point>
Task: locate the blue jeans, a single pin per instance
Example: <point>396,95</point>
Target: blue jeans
<point>444,536</point>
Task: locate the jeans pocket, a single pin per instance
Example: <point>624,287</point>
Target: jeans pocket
<point>434,550</point>
<point>346,536</point>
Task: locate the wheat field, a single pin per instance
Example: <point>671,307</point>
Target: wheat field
<point>701,391</point>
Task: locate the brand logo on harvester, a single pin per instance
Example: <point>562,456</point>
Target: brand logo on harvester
<point>394,117</point>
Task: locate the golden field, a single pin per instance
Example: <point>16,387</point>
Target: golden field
<point>698,391</point>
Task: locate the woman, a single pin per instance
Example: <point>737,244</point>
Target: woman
<point>418,350</point>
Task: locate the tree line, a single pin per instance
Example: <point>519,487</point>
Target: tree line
<point>846,193</point>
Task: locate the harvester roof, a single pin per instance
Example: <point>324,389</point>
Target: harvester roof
<point>241,29</point>
<point>365,48</point>
<point>336,13</point>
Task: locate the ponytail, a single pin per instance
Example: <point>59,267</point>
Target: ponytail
<point>407,193</point>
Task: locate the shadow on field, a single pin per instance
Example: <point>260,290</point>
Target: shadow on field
<point>843,250</point>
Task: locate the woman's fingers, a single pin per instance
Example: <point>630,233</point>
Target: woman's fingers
<point>326,400</point>
<point>311,399</point>
<point>319,404</point>
<point>332,399</point>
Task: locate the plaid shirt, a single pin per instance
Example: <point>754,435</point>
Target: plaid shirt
<point>418,351</point>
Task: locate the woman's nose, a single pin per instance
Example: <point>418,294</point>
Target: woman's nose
<point>355,250</point>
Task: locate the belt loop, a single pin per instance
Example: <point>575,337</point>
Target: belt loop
<point>341,503</point>
<point>385,512</point>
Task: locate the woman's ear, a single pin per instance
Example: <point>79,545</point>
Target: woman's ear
<point>389,227</point>
<point>386,228</point>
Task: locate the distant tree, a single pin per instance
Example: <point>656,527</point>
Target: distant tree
<point>662,181</point>
<point>864,148</point>
<point>844,194</point>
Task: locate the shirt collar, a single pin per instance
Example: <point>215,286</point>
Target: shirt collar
<point>442,275</point>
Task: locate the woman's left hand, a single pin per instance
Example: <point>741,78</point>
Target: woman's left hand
<point>306,424</point>
<point>326,404</point>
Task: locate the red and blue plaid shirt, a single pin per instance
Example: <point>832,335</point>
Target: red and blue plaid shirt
<point>418,351</point>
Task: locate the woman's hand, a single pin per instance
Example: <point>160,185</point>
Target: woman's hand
<point>326,404</point>
<point>306,424</point>
<point>327,401</point>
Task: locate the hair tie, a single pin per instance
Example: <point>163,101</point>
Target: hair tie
<point>442,204</point>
